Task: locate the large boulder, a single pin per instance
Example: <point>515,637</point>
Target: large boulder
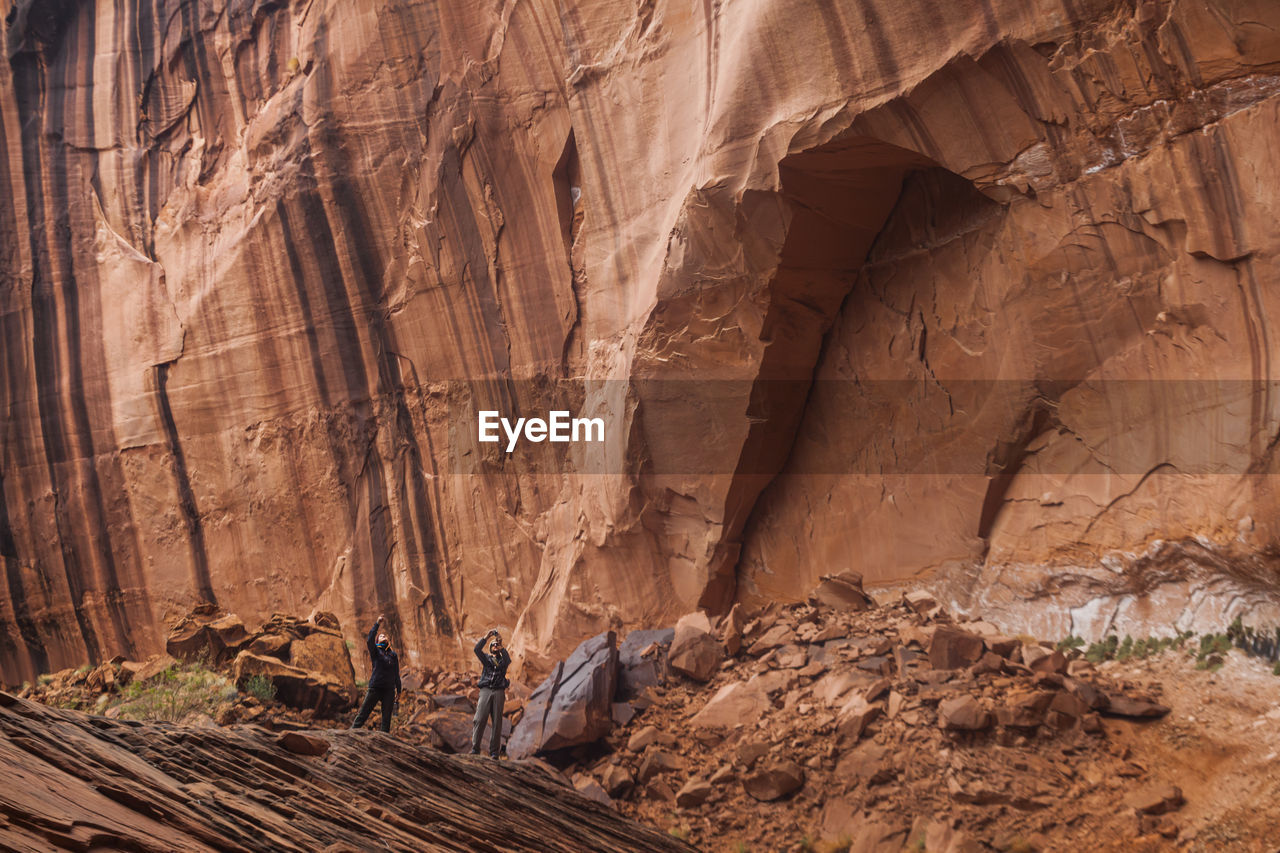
<point>695,651</point>
<point>574,704</point>
<point>325,654</point>
<point>954,648</point>
<point>207,635</point>
<point>642,661</point>
<point>294,687</point>
<point>841,592</point>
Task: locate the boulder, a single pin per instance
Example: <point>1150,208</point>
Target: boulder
<point>453,729</point>
<point>325,619</point>
<point>207,635</point>
<point>988,663</point>
<point>101,679</point>
<point>592,790</point>
<point>732,705</point>
<point>271,645</point>
<point>152,667</point>
<point>574,704</point>
<point>453,702</point>
<point>1119,705</point>
<point>1065,711</point>
<point>325,654</point>
<point>648,736</point>
<point>748,752</point>
<point>1039,659</point>
<point>775,637</point>
<point>642,661</point>
<point>694,793</point>
<point>790,657</point>
<point>657,761</point>
<point>1025,711</point>
<point>854,717</point>
<point>731,630</point>
<point>953,648</point>
<point>919,600</point>
<point>774,780</point>
<point>695,651</point>
<point>963,714</point>
<point>1156,800</point>
<point>303,744</point>
<point>623,713</point>
<point>841,592</point>
<point>294,687</point>
<point>617,780</point>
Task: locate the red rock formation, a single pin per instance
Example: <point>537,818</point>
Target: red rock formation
<point>81,782</point>
<point>264,261</point>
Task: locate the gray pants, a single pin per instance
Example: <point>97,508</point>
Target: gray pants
<point>488,710</point>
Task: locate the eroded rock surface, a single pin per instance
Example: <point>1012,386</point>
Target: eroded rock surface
<point>974,289</point>
<point>78,782</point>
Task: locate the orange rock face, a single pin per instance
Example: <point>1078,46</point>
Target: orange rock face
<point>972,289</point>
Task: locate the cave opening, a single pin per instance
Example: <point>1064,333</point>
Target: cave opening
<point>844,199</point>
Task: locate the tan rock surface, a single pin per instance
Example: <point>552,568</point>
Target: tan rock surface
<point>264,261</point>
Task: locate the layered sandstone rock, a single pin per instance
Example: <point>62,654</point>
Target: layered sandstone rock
<point>88,782</point>
<point>972,289</point>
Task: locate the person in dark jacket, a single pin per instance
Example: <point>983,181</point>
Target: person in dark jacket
<point>384,683</point>
<point>493,687</point>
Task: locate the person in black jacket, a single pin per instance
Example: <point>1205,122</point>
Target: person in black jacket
<point>493,686</point>
<point>384,683</point>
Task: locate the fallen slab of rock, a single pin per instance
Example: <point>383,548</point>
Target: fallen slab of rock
<point>695,651</point>
<point>574,704</point>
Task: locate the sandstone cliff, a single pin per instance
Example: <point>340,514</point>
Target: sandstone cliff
<point>977,289</point>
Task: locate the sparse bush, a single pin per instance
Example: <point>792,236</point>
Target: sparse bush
<point>174,694</point>
<point>260,687</point>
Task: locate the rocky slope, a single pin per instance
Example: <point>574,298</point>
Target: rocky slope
<point>75,782</point>
<point>978,289</point>
<point>836,725</point>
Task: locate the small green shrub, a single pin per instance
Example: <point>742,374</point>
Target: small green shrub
<point>260,687</point>
<point>1071,642</point>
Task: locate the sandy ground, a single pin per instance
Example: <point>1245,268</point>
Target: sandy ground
<point>1220,745</point>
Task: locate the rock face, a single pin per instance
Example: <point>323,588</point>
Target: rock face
<point>97,783</point>
<point>979,289</point>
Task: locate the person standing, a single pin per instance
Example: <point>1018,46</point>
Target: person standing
<point>384,683</point>
<point>493,687</point>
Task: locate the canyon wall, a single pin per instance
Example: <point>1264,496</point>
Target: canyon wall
<point>976,292</point>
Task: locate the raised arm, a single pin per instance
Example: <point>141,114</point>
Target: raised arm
<point>372,640</point>
<point>480,647</point>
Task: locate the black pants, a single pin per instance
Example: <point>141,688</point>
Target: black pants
<point>374,695</point>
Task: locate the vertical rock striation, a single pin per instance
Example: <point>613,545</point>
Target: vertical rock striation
<point>977,289</point>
